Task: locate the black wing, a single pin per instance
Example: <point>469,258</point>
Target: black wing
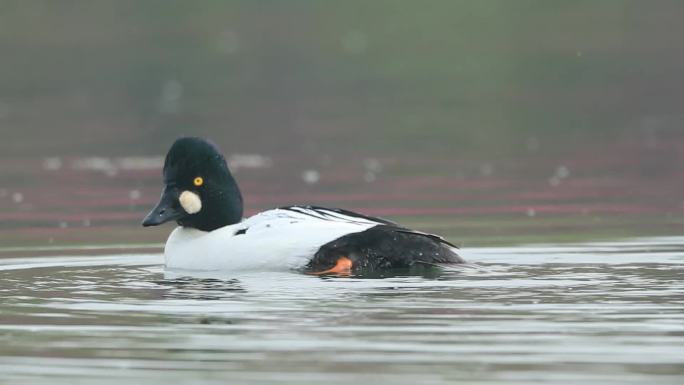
<point>385,247</point>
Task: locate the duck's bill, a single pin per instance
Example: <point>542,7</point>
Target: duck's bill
<point>166,210</point>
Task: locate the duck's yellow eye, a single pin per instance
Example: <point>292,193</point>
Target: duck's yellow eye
<point>198,181</point>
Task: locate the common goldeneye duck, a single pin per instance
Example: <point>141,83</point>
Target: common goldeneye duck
<point>202,197</point>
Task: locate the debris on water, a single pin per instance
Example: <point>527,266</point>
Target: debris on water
<point>562,172</point>
<point>112,166</point>
<point>95,163</point>
<point>134,195</point>
<point>311,176</point>
<point>17,197</point>
<point>486,169</point>
<point>238,161</point>
<point>52,164</point>
<point>559,174</point>
<point>372,167</point>
<point>372,164</point>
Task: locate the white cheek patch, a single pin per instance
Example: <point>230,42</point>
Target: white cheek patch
<point>191,202</point>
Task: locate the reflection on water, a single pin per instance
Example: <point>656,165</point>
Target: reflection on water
<point>596,313</point>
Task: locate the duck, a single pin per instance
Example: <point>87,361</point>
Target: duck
<point>202,197</point>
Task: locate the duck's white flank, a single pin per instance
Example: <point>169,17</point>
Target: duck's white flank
<point>274,240</point>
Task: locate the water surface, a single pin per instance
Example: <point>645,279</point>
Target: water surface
<point>610,312</point>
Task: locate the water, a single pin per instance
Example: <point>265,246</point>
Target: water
<point>488,133</point>
<point>84,298</point>
<point>610,312</point>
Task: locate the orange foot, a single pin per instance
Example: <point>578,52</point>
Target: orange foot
<point>342,267</point>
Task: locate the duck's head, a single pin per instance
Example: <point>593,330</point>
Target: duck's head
<point>199,190</point>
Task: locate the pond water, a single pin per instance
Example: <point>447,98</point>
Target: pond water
<point>553,159</point>
<point>601,312</point>
<point>545,297</point>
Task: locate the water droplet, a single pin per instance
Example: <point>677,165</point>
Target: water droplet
<point>531,212</point>
<point>134,194</point>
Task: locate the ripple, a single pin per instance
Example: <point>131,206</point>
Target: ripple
<point>597,313</point>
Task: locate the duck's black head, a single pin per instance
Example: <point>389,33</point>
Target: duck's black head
<point>199,190</point>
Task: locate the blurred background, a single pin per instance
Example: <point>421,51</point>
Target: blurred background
<point>487,121</point>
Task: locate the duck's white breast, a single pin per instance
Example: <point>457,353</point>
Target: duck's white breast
<point>273,240</point>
